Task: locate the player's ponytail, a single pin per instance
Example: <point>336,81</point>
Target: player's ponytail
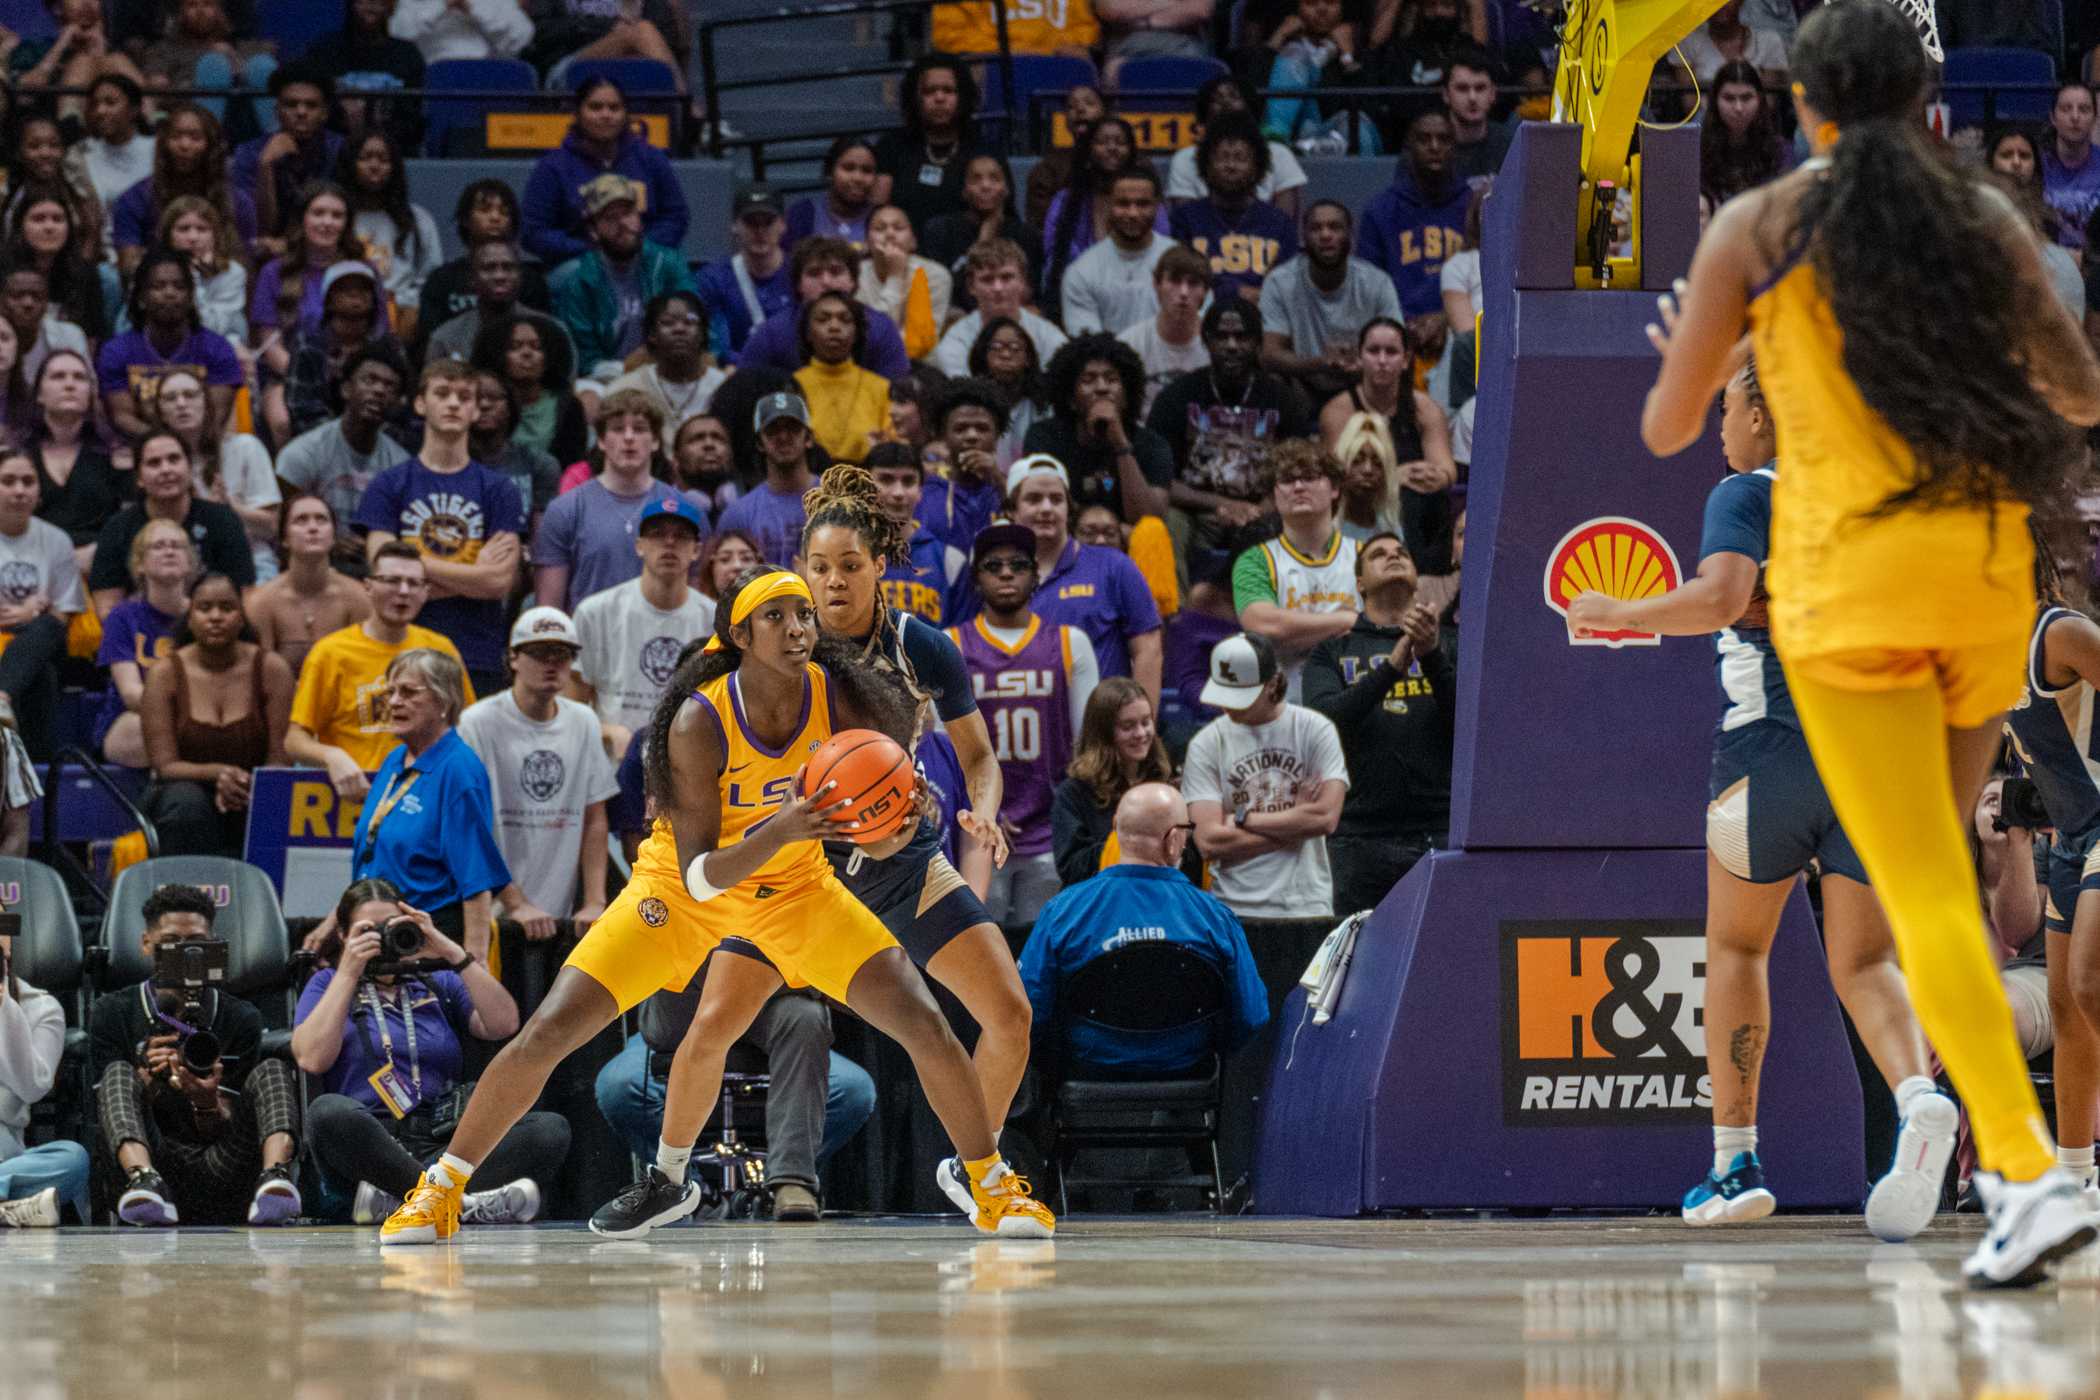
<point>697,665</point>
<point>1901,241</point>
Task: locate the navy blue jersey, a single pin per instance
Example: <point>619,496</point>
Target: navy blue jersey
<point>2052,728</point>
<point>1243,250</point>
<point>1739,521</point>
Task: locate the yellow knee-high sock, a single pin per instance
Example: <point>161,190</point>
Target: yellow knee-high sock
<point>1883,759</point>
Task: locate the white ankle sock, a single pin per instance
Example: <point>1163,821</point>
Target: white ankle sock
<point>451,1171</point>
<point>2078,1161</point>
<point>1909,1090</point>
<point>1728,1143</point>
<point>671,1161</point>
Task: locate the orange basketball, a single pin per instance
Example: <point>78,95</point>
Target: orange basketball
<point>871,771</point>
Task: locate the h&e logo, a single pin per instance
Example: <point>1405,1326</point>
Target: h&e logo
<point>1604,1023</point>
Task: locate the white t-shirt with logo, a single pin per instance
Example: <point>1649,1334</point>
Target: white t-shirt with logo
<point>542,777</point>
<point>630,648</point>
<point>1164,362</point>
<point>40,560</point>
<point>1271,767</point>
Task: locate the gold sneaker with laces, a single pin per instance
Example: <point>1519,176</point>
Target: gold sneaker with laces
<point>1011,1209</point>
<point>430,1215</point>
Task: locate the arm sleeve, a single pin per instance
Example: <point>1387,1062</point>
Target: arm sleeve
<point>240,1030</point>
<point>1250,996</point>
<point>1370,240</point>
<point>554,543</point>
<point>477,861</point>
<point>1072,836</point>
<point>1140,612</point>
<point>601,781</point>
<point>110,370</point>
<point>1252,581</point>
<point>1081,314</point>
<point>1326,747</point>
<point>1200,779</point>
<point>1738,519</point>
<point>378,508</point>
<point>1387,297</point>
<point>1085,674</point>
<point>886,354</point>
<point>1327,693</point>
<point>939,664</point>
<point>108,1028</point>
<point>572,307</point>
<point>111,568</point>
<point>221,366</point>
<point>32,1040</point>
<point>226,548</point>
<point>310,997</point>
<point>1155,458</point>
<point>63,578</point>
<point>307,703</point>
<point>415,18</point>
<point>541,215</point>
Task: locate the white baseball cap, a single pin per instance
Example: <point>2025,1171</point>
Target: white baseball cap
<point>1034,464</point>
<point>1239,667</point>
<point>544,625</point>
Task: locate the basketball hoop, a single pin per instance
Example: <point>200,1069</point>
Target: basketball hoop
<point>1920,13</point>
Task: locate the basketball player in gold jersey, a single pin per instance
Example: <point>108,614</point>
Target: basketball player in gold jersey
<point>735,854</point>
<point>1921,374</point>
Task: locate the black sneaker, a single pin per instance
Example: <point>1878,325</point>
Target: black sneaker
<point>146,1200</point>
<point>276,1197</point>
<point>654,1200</point>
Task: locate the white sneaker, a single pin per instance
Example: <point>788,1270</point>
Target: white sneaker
<point>515,1204</point>
<point>2033,1224</point>
<point>38,1212</point>
<point>1904,1201</point>
<point>955,1185</point>
<point>372,1205</point>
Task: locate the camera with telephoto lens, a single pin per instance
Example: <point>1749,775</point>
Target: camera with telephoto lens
<point>186,969</point>
<point>400,938</point>
<point>2020,804</point>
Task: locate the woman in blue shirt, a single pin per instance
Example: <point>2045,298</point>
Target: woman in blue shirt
<point>429,826</point>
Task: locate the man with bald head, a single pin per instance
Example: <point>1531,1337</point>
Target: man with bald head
<point>1143,897</point>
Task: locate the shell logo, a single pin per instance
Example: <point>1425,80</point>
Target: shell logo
<point>1615,556</point>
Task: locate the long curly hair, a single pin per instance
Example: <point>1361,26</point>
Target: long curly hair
<point>876,695</point>
<point>1071,361</point>
<point>1899,237</point>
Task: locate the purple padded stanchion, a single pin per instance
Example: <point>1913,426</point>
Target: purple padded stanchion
<point>1522,1024</point>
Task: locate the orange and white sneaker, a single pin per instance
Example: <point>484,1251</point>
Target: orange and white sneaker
<point>1009,1208</point>
<point>430,1215</point>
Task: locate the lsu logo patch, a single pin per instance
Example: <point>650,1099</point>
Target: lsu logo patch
<point>654,911</point>
<point>1604,1023</point>
<point>1615,556</point>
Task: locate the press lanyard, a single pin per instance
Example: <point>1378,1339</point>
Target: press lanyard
<point>397,788</point>
<point>151,997</point>
<point>386,1040</point>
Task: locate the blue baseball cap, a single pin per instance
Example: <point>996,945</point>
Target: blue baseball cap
<point>674,507</point>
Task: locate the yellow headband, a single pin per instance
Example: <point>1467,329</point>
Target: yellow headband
<point>783,584</point>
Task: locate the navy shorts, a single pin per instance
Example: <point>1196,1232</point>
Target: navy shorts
<point>1769,818</point>
<point>2074,867</point>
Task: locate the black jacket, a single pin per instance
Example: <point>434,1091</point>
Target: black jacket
<point>1406,721</point>
<point>119,1026</point>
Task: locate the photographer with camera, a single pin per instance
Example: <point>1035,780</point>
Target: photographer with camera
<point>383,1024</point>
<point>34,1181</point>
<point>193,1121</point>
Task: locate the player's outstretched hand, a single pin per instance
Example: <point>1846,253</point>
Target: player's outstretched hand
<point>1666,306</point>
<point>987,833</point>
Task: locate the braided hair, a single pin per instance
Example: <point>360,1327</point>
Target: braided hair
<point>846,497</point>
<point>878,696</point>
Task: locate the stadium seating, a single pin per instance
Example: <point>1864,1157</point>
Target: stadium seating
<point>458,120</point>
<point>2030,76</point>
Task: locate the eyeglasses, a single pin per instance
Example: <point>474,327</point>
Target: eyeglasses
<point>1006,566</point>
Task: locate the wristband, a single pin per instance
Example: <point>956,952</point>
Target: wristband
<point>696,882</point>
<point>466,961</point>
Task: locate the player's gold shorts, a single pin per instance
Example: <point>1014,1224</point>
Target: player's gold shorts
<point>1977,683</point>
<point>655,935</point>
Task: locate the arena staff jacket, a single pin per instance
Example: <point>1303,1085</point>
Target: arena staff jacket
<point>551,212</point>
<point>437,841</point>
<point>1131,904</point>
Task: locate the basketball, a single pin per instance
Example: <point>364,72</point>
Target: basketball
<point>871,771</point>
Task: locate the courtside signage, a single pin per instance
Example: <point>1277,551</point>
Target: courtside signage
<point>1603,1023</point>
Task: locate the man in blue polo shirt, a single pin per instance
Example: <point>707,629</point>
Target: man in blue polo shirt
<point>1143,897</point>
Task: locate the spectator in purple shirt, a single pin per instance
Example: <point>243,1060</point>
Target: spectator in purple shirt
<point>968,419</point>
<point>169,337</point>
<point>1096,590</point>
<point>1244,238</point>
<point>1409,229</point>
<point>599,143</point>
<point>819,265</point>
<point>189,158</point>
<point>274,167</point>
<point>2070,170</point>
<point>772,511</point>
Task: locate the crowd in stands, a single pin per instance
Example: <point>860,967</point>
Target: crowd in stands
<point>1178,442</point>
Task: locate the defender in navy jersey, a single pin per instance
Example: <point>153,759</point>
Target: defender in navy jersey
<point>2052,731</point>
<point>920,897</point>
<point>1768,822</point>
<point>1031,678</point>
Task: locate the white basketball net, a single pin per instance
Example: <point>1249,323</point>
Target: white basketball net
<point>1920,13</point>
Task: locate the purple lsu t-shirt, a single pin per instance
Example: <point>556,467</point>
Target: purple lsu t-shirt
<point>1100,592</point>
<point>137,632</point>
<point>1025,695</point>
<point>130,365</point>
<point>442,1010</point>
<point>773,518</point>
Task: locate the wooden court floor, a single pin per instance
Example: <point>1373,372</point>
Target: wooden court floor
<point>1157,1308</point>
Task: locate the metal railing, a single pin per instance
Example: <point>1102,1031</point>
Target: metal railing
<point>712,84</point>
